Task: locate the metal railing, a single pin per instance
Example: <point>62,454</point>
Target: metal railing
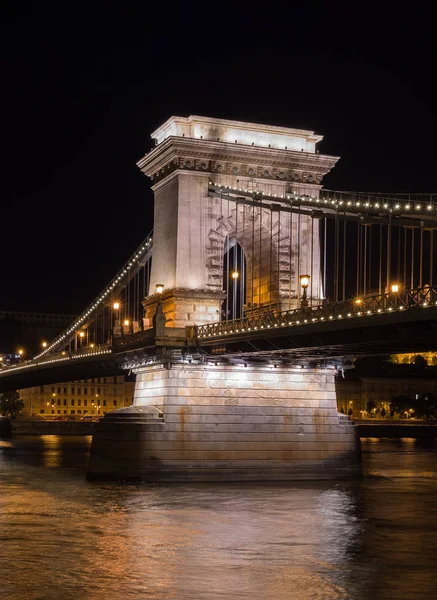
<point>85,352</point>
<point>354,307</point>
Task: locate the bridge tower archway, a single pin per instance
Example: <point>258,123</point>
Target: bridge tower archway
<point>192,158</point>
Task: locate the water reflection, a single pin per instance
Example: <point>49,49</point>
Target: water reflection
<point>69,538</point>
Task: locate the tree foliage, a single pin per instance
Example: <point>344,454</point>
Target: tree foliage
<point>400,404</point>
<point>420,362</point>
<point>370,406</point>
<point>421,407</point>
<point>10,404</point>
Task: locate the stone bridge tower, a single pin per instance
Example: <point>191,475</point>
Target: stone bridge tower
<point>195,418</point>
<point>190,226</point>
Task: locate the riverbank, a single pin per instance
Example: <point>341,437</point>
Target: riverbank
<point>46,427</point>
<point>372,428</point>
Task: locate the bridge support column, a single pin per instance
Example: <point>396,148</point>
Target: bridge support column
<point>209,423</point>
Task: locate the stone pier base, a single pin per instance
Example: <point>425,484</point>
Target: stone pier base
<point>227,423</point>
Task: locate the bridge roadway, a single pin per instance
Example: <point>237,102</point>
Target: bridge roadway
<point>340,331</point>
<point>375,324</point>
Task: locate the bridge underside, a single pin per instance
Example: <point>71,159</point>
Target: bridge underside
<point>344,339</point>
<point>71,371</point>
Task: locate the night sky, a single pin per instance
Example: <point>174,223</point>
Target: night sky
<point>84,84</point>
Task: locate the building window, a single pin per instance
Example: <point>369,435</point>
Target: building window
<point>65,412</point>
<point>72,402</point>
<point>53,390</point>
<point>98,390</point>
<point>85,391</point>
<point>104,402</point>
<point>41,389</point>
<point>78,402</point>
<point>78,390</point>
<point>72,390</point>
<point>59,412</point>
<point>59,402</point>
<point>59,390</point>
<point>65,390</point>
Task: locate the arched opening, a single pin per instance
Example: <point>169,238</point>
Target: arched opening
<point>234,280</point>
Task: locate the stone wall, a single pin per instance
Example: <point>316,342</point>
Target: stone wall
<point>228,422</point>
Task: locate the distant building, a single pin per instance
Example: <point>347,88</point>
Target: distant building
<point>355,391</point>
<point>408,359</point>
<point>28,330</point>
<point>34,318</point>
<point>95,396</point>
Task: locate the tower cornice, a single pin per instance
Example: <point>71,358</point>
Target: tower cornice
<point>209,156</point>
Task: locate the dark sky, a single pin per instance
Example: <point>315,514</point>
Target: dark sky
<point>84,84</point>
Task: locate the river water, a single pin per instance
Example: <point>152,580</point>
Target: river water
<point>64,538</point>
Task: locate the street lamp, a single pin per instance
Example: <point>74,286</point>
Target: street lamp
<point>235,275</point>
<point>44,344</point>
<point>304,282</point>
<point>116,307</point>
<point>395,288</point>
<point>159,289</point>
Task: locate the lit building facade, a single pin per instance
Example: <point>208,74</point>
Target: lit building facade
<point>92,397</point>
<point>355,393</point>
<point>408,359</point>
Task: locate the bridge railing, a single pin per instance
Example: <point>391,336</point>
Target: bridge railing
<point>85,352</point>
<point>354,307</point>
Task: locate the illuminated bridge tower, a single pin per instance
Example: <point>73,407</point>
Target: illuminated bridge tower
<point>194,225</point>
<point>201,417</point>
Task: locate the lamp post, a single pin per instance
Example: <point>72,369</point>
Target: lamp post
<point>235,275</point>
<point>159,289</point>
<point>116,307</point>
<point>304,282</point>
<point>159,319</point>
<point>395,287</point>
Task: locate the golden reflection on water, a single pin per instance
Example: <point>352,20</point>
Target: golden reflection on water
<point>70,539</point>
<point>51,450</point>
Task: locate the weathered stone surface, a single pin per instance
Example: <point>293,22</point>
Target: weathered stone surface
<point>287,434</point>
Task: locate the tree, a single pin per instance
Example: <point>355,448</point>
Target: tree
<point>350,412</point>
<point>426,406</point>
<point>400,404</point>
<point>370,406</point>
<point>420,362</point>
<point>383,412</point>
<point>10,404</point>
<point>342,410</point>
